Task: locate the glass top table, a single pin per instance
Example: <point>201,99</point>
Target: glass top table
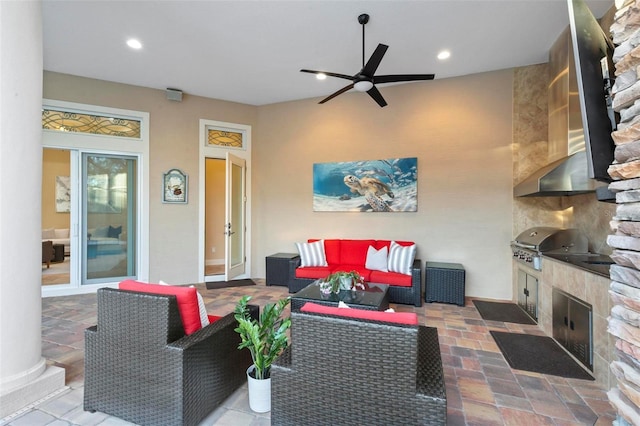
<point>374,297</point>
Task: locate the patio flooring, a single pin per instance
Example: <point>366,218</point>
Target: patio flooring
<point>481,387</point>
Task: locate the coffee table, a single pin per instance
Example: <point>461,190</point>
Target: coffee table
<point>375,297</point>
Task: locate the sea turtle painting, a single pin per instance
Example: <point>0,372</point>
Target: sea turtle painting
<point>372,189</point>
<point>371,186</point>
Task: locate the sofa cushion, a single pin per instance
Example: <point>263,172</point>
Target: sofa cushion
<point>312,254</point>
<point>48,234</point>
<point>409,318</point>
<point>343,267</point>
<point>354,252</point>
<point>401,258</point>
<point>390,278</point>
<point>186,297</point>
<point>377,259</point>
<point>313,272</point>
<point>331,250</point>
<point>100,232</point>
<point>61,233</point>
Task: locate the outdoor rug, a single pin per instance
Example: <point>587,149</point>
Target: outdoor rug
<point>232,283</point>
<point>505,312</point>
<point>540,354</point>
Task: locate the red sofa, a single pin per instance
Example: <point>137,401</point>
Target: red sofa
<point>351,255</point>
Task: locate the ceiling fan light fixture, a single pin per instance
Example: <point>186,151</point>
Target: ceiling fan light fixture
<point>321,76</point>
<point>363,86</point>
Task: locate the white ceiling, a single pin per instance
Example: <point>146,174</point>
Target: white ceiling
<point>251,51</point>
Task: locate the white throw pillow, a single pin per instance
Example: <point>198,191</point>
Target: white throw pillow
<point>401,258</point>
<point>377,259</point>
<point>48,234</point>
<point>204,318</point>
<point>312,254</point>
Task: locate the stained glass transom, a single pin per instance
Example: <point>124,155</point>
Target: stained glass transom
<point>224,138</point>
<point>66,121</point>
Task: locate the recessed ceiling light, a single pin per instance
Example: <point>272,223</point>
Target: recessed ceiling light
<point>321,76</point>
<point>444,55</point>
<point>134,44</point>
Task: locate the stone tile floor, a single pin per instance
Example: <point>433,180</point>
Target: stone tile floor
<point>481,387</point>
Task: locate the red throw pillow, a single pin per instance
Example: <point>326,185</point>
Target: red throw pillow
<point>186,297</point>
<point>408,318</point>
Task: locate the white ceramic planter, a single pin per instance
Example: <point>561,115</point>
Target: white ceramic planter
<point>259,393</point>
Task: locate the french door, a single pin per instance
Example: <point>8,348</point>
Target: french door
<point>235,229</point>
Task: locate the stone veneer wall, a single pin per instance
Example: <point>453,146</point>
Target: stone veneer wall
<point>624,320</point>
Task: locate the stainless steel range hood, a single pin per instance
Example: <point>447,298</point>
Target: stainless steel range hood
<point>567,174</point>
<point>561,178</point>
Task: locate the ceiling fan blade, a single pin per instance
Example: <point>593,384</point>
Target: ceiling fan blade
<point>339,92</point>
<point>377,96</point>
<point>402,77</point>
<point>372,64</point>
<point>330,74</point>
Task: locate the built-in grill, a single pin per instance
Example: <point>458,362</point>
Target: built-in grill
<point>529,245</point>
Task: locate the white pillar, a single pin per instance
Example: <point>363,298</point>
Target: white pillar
<point>24,376</point>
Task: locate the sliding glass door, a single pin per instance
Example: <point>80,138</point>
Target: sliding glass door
<point>108,218</point>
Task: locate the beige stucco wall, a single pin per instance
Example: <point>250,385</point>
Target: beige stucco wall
<point>460,130</point>
<point>55,163</point>
<point>174,138</point>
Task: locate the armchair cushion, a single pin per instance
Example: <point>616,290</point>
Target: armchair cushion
<point>409,318</point>
<point>186,297</point>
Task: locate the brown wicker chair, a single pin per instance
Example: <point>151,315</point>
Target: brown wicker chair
<point>140,366</point>
<point>358,372</point>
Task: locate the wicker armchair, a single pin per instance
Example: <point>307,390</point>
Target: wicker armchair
<point>140,366</point>
<point>405,295</point>
<point>358,372</point>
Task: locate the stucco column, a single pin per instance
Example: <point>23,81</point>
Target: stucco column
<point>24,376</point>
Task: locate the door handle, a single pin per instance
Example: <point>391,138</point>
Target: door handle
<point>566,321</point>
<point>571,325</point>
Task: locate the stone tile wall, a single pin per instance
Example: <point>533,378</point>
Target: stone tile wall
<point>624,319</point>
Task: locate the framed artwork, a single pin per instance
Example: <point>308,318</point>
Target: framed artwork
<point>389,185</point>
<point>174,187</point>
<point>63,194</point>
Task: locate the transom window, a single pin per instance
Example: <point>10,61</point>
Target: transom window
<point>69,121</point>
<point>224,138</point>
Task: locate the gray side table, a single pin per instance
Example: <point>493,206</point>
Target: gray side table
<point>444,282</point>
<point>278,268</point>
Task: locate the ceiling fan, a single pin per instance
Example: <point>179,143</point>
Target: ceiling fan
<point>365,80</point>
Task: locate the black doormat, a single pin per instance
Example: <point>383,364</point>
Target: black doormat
<point>505,312</point>
<point>540,354</point>
<point>232,283</point>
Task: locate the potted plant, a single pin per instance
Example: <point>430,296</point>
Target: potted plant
<point>342,280</point>
<point>266,338</point>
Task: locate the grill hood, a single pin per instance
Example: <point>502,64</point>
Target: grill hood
<point>560,178</point>
<point>568,172</point>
